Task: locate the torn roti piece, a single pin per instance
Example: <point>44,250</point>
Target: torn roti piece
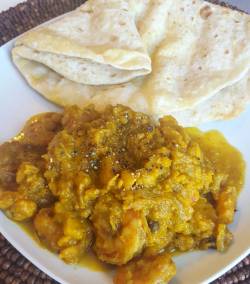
<point>226,104</point>
<point>97,44</point>
<point>197,49</point>
<point>199,52</point>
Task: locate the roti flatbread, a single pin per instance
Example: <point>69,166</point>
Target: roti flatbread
<point>226,104</point>
<point>200,56</point>
<point>97,44</point>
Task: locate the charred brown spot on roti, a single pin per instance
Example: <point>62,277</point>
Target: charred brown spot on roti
<point>90,11</point>
<point>113,38</point>
<point>206,12</point>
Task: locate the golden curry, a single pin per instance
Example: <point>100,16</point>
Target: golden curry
<point>114,181</point>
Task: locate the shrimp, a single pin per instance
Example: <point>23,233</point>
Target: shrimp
<point>47,228</point>
<point>22,210</point>
<point>77,238</point>
<point>119,235</point>
<point>156,269</point>
<point>40,129</point>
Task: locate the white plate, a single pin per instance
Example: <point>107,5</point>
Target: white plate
<point>18,102</point>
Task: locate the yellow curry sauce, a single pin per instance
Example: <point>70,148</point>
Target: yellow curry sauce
<point>114,182</point>
<point>88,260</point>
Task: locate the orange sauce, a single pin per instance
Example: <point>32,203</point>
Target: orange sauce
<point>89,260</point>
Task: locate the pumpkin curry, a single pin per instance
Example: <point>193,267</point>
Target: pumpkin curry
<point>115,182</point>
